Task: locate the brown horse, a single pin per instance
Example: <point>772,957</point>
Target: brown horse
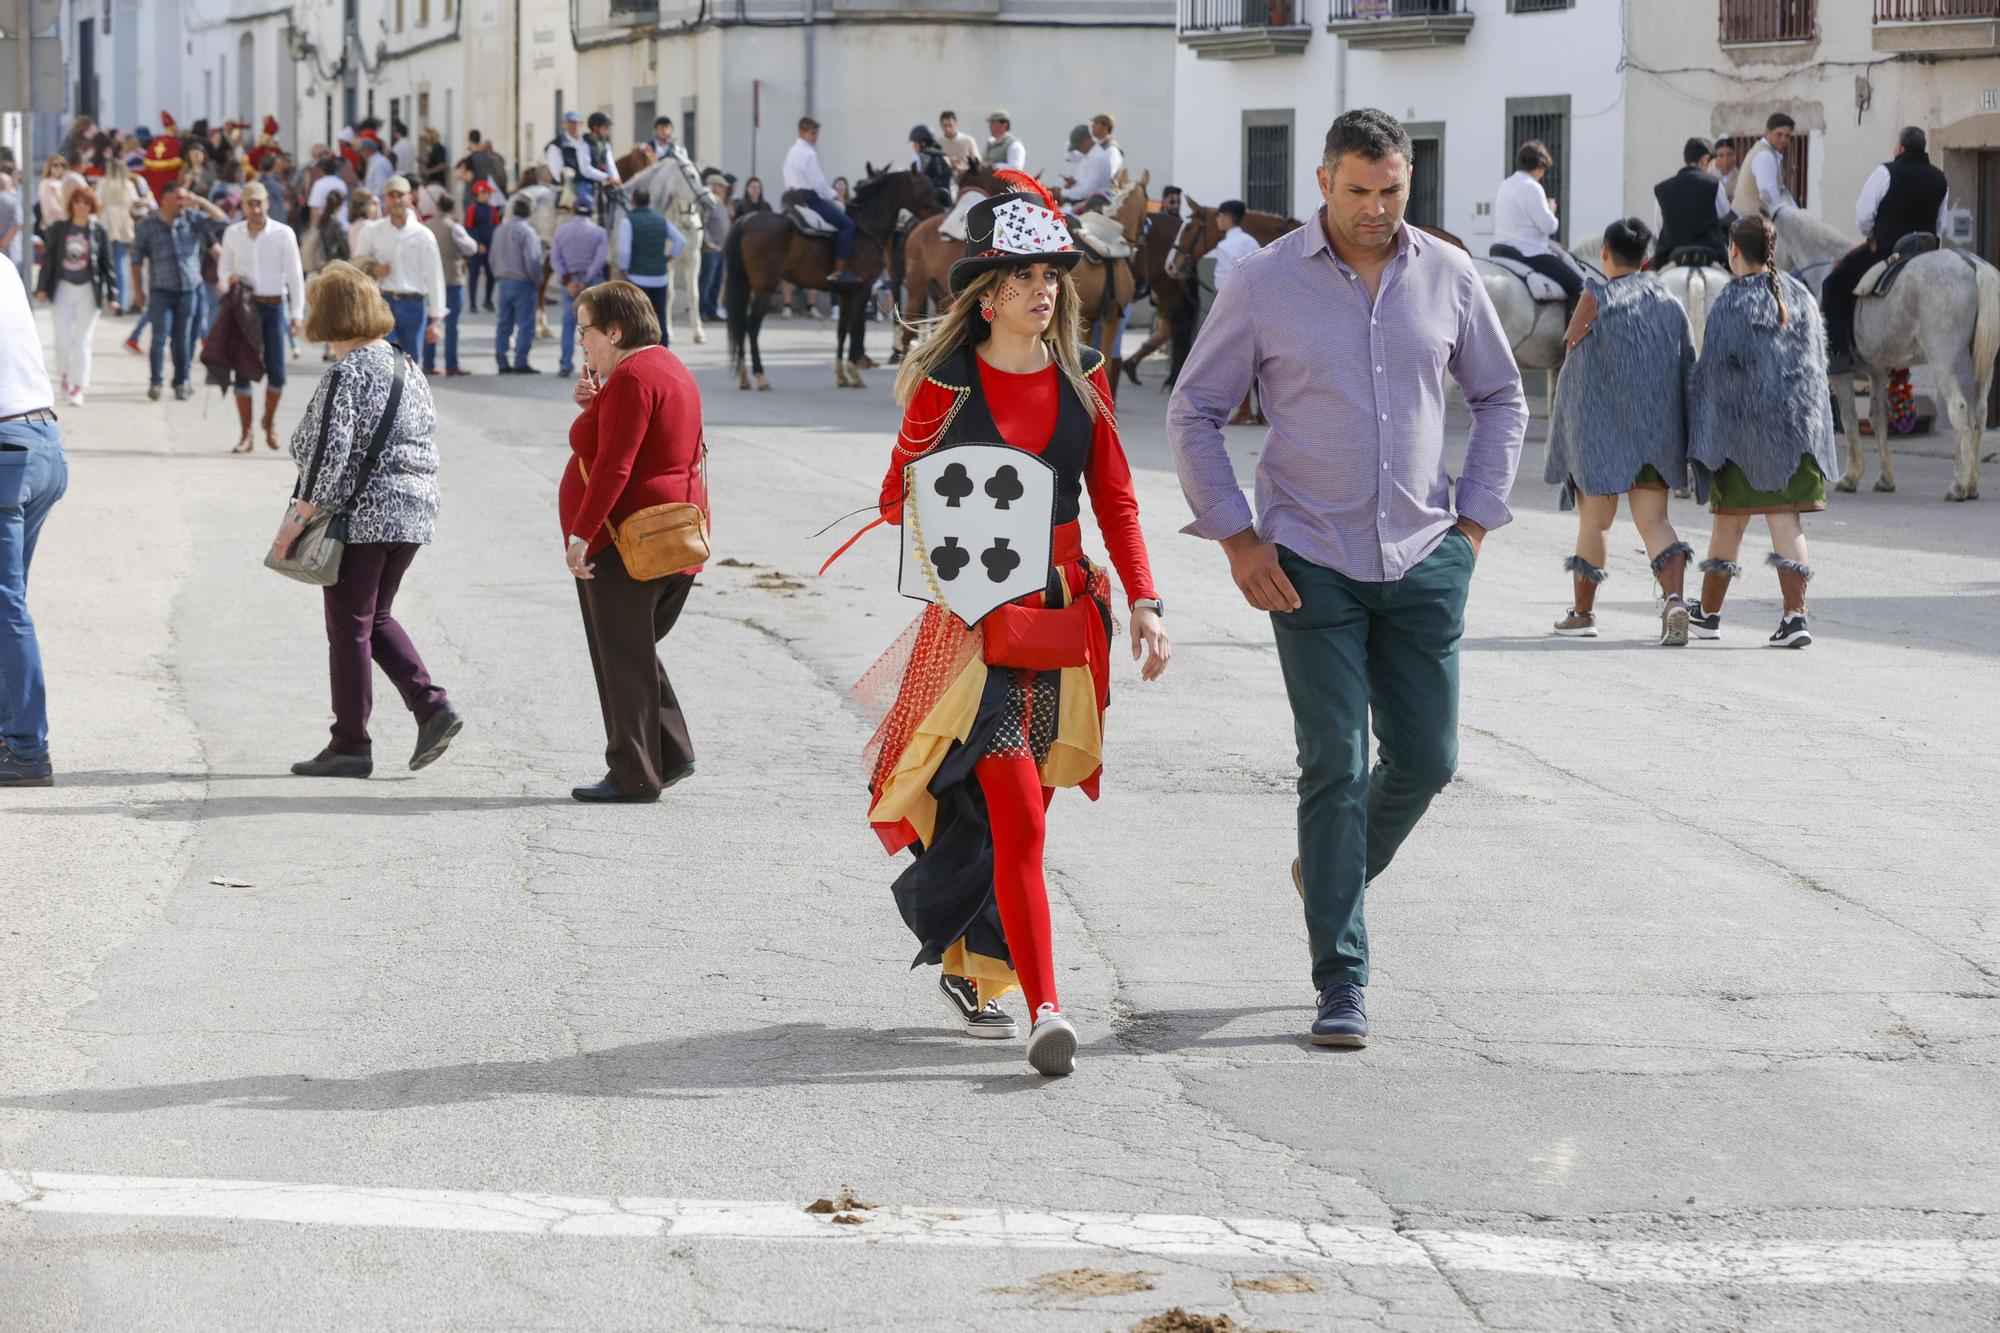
<point>766,249</point>
<point>1167,293</point>
<point>1105,288</point>
<point>925,255</point>
<point>1199,234</point>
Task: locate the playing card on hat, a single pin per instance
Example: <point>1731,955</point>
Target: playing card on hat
<point>1024,228</point>
<point>978,527</point>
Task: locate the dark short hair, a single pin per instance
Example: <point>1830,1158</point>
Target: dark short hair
<point>641,197</point>
<point>1913,139</point>
<point>943,114</point>
<point>1778,120</point>
<point>1233,210</point>
<point>1371,133</point>
<point>1628,240</point>
<point>445,203</point>
<point>662,120</point>
<point>329,166</point>
<point>474,136</point>
<point>1695,151</point>
<point>598,120</point>
<point>522,207</point>
<point>1170,189</point>
<point>619,304</point>
<point>1533,156</point>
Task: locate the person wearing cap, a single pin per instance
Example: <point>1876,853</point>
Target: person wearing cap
<point>1002,148</point>
<point>713,238</point>
<point>580,159</point>
<point>1102,161</point>
<point>929,161</point>
<point>977,741</point>
<point>806,183</point>
<point>577,256</point>
<point>516,255</point>
<point>401,254</point>
<point>482,221</point>
<point>264,256</point>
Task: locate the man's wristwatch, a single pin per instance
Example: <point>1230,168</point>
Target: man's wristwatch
<point>1154,604</point>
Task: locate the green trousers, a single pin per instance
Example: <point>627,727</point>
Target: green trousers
<point>1351,651</point>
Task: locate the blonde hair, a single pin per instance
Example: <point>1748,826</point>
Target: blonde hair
<point>343,303</point>
<point>945,335</point>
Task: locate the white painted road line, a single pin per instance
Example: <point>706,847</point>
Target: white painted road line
<point>1801,1263</point>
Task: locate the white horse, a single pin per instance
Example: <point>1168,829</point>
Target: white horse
<point>1534,328</point>
<point>676,190</point>
<point>1696,288</point>
<point>542,217</point>
<point>1943,312</point>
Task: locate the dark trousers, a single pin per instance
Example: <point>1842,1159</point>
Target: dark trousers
<point>1836,300</point>
<point>712,270</point>
<point>1354,653</point>
<point>1553,268</point>
<point>658,296</point>
<point>474,266</point>
<point>624,620</point>
<point>360,631</point>
<point>835,217</point>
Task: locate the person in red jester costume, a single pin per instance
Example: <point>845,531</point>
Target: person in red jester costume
<point>162,164</point>
<point>980,726</point>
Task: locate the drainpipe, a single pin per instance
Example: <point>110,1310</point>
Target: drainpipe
<point>811,5</point>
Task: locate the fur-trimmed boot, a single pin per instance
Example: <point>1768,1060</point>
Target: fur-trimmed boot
<point>1705,616</point>
<point>1670,570</point>
<point>1581,622</point>
<point>1793,576</point>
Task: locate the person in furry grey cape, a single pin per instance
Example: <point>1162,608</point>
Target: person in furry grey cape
<point>1620,426</point>
<point>1760,429</point>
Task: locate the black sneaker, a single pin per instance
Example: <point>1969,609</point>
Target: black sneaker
<point>435,735</point>
<point>1343,1016</point>
<point>18,772</point>
<point>153,393</point>
<point>988,1020</point>
<point>1792,633</point>
<point>327,764</point>
<point>508,370</point>
<point>527,370</point>
<point>1703,624</point>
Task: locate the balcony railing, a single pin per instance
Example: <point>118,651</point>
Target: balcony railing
<point>1243,29</point>
<point>1934,11</point>
<point>1747,21</point>
<point>1216,15</point>
<point>1387,25</point>
<point>1349,11</point>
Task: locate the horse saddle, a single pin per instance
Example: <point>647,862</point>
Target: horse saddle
<point>1100,235</point>
<point>804,218</point>
<point>1694,256</point>
<point>1541,287</point>
<point>953,226</point>
<point>1879,279</point>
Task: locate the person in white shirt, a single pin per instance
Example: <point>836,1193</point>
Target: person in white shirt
<point>1100,167</point>
<point>401,253</point>
<point>264,257</point>
<point>664,145</point>
<point>324,187</point>
<point>1524,218</point>
<point>1233,245</point>
<point>960,147</point>
<point>402,150</point>
<point>37,475</point>
<point>1758,189</point>
<point>1002,148</point>
<point>806,183</point>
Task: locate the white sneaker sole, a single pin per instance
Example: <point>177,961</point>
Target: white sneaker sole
<point>1803,639</point>
<point>1052,1048</point>
<point>1589,633</point>
<point>989,1031</point>
<point>1699,632</point>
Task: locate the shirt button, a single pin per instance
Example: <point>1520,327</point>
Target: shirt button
<point>1383,514</point>
<point>1378,370</point>
<point>1385,416</point>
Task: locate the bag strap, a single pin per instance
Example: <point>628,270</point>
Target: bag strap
<point>381,436</point>
<point>310,477</point>
<point>701,468</point>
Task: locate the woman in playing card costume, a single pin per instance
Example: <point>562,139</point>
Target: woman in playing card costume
<point>980,723</point>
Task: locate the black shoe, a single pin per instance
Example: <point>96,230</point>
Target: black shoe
<point>1343,1016</point>
<point>526,370</point>
<point>1792,633</point>
<point>1703,624</point>
<point>987,1020</point>
<point>1840,363</point>
<point>182,393</point>
<point>327,764</point>
<point>840,279</point>
<point>603,792</point>
<point>434,736</point>
<point>18,772</point>
<point>153,393</point>
<point>509,370</point>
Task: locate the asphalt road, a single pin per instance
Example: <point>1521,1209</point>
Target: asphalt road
<point>1686,1006</point>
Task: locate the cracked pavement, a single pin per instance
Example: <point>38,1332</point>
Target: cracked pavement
<point>1696,961</point>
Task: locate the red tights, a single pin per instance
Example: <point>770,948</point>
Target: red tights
<point>1017,808</point>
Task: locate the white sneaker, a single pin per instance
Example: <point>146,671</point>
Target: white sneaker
<point>1052,1044</point>
<point>76,398</point>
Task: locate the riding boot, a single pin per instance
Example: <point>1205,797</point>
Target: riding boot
<point>1715,577</point>
<point>271,397</point>
<point>244,411</point>
<point>1793,577</point>
<point>1670,568</point>
<point>1587,577</point>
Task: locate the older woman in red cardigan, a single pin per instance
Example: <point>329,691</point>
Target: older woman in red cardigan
<point>637,443</point>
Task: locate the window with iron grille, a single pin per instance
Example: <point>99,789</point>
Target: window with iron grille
<point>1538,6</point>
<point>1791,168</point>
<point>1547,119</point>
<point>1426,174</point>
<point>1267,161</point>
<point>1746,21</point>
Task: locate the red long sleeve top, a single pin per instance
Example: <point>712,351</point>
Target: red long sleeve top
<point>641,439</point>
<point>1024,408</point>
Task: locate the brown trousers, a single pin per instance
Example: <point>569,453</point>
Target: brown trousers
<point>646,738</point>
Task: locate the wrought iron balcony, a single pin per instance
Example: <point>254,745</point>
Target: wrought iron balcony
<point>1388,25</point>
<point>1938,27</point>
<point>1242,29</point>
<point>1750,22</point>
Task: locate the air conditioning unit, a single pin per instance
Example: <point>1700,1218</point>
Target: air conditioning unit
<point>1958,227</point>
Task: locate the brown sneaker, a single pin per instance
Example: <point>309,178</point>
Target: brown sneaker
<point>1674,624</point>
<point>1578,625</point>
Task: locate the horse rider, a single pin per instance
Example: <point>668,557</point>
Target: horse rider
<point>806,184</point>
<point>929,161</point>
<point>1688,208</point>
<point>663,144</point>
<point>580,158</point>
<point>1903,196</point>
<point>1002,148</point>
<point>1757,188</point>
<point>960,148</point>
<point>1101,164</point>
<point>1524,217</point>
<point>1725,169</point>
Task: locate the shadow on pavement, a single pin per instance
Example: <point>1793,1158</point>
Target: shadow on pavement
<point>243,807</point>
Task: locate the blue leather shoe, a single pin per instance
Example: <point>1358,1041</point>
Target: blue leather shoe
<point>18,772</point>
<point>1343,1016</point>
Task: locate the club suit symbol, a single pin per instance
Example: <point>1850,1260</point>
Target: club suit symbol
<point>951,559</point>
<point>954,485</point>
<point>1005,487</point>
<point>1000,560</point>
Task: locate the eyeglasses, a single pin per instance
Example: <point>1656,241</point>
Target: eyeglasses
<point>585,328</point>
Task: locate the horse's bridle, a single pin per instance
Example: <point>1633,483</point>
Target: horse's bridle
<point>1197,222</point>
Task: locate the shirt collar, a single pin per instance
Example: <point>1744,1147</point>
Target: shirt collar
<point>1409,241</point>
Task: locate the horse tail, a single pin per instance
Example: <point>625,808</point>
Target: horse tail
<point>1985,330</point>
<point>736,291</point>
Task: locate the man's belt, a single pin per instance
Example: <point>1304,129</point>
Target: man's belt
<point>268,300</point>
<point>35,417</point>
<point>404,296</point>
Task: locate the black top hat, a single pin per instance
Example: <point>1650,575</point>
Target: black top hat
<point>1008,230</point>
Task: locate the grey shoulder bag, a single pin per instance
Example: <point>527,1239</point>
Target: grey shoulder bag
<point>315,556</point>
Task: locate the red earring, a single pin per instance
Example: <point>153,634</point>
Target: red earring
<point>986,313</point>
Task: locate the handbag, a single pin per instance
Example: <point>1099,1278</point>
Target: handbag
<point>315,555</point>
<point>1034,638</point>
<point>661,539</point>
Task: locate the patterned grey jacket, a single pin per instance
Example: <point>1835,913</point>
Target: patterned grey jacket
<point>401,501</point>
<point>1761,396</point>
<point>1621,400</point>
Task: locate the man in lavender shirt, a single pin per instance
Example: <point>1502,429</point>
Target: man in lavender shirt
<point>1361,550</point>
<point>577,256</point>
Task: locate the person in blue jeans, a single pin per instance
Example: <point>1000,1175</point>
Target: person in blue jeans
<point>578,256</point>
<point>171,247</point>
<point>516,254</point>
<point>33,476</point>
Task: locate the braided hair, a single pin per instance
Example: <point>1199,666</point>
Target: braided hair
<point>1757,241</point>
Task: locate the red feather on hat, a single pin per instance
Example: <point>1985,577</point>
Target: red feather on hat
<point>1027,184</point>
<point>270,124</point>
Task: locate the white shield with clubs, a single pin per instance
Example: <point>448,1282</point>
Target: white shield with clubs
<point>978,524</point>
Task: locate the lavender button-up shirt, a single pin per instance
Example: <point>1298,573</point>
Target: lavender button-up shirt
<point>1352,475</point>
<point>579,251</point>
